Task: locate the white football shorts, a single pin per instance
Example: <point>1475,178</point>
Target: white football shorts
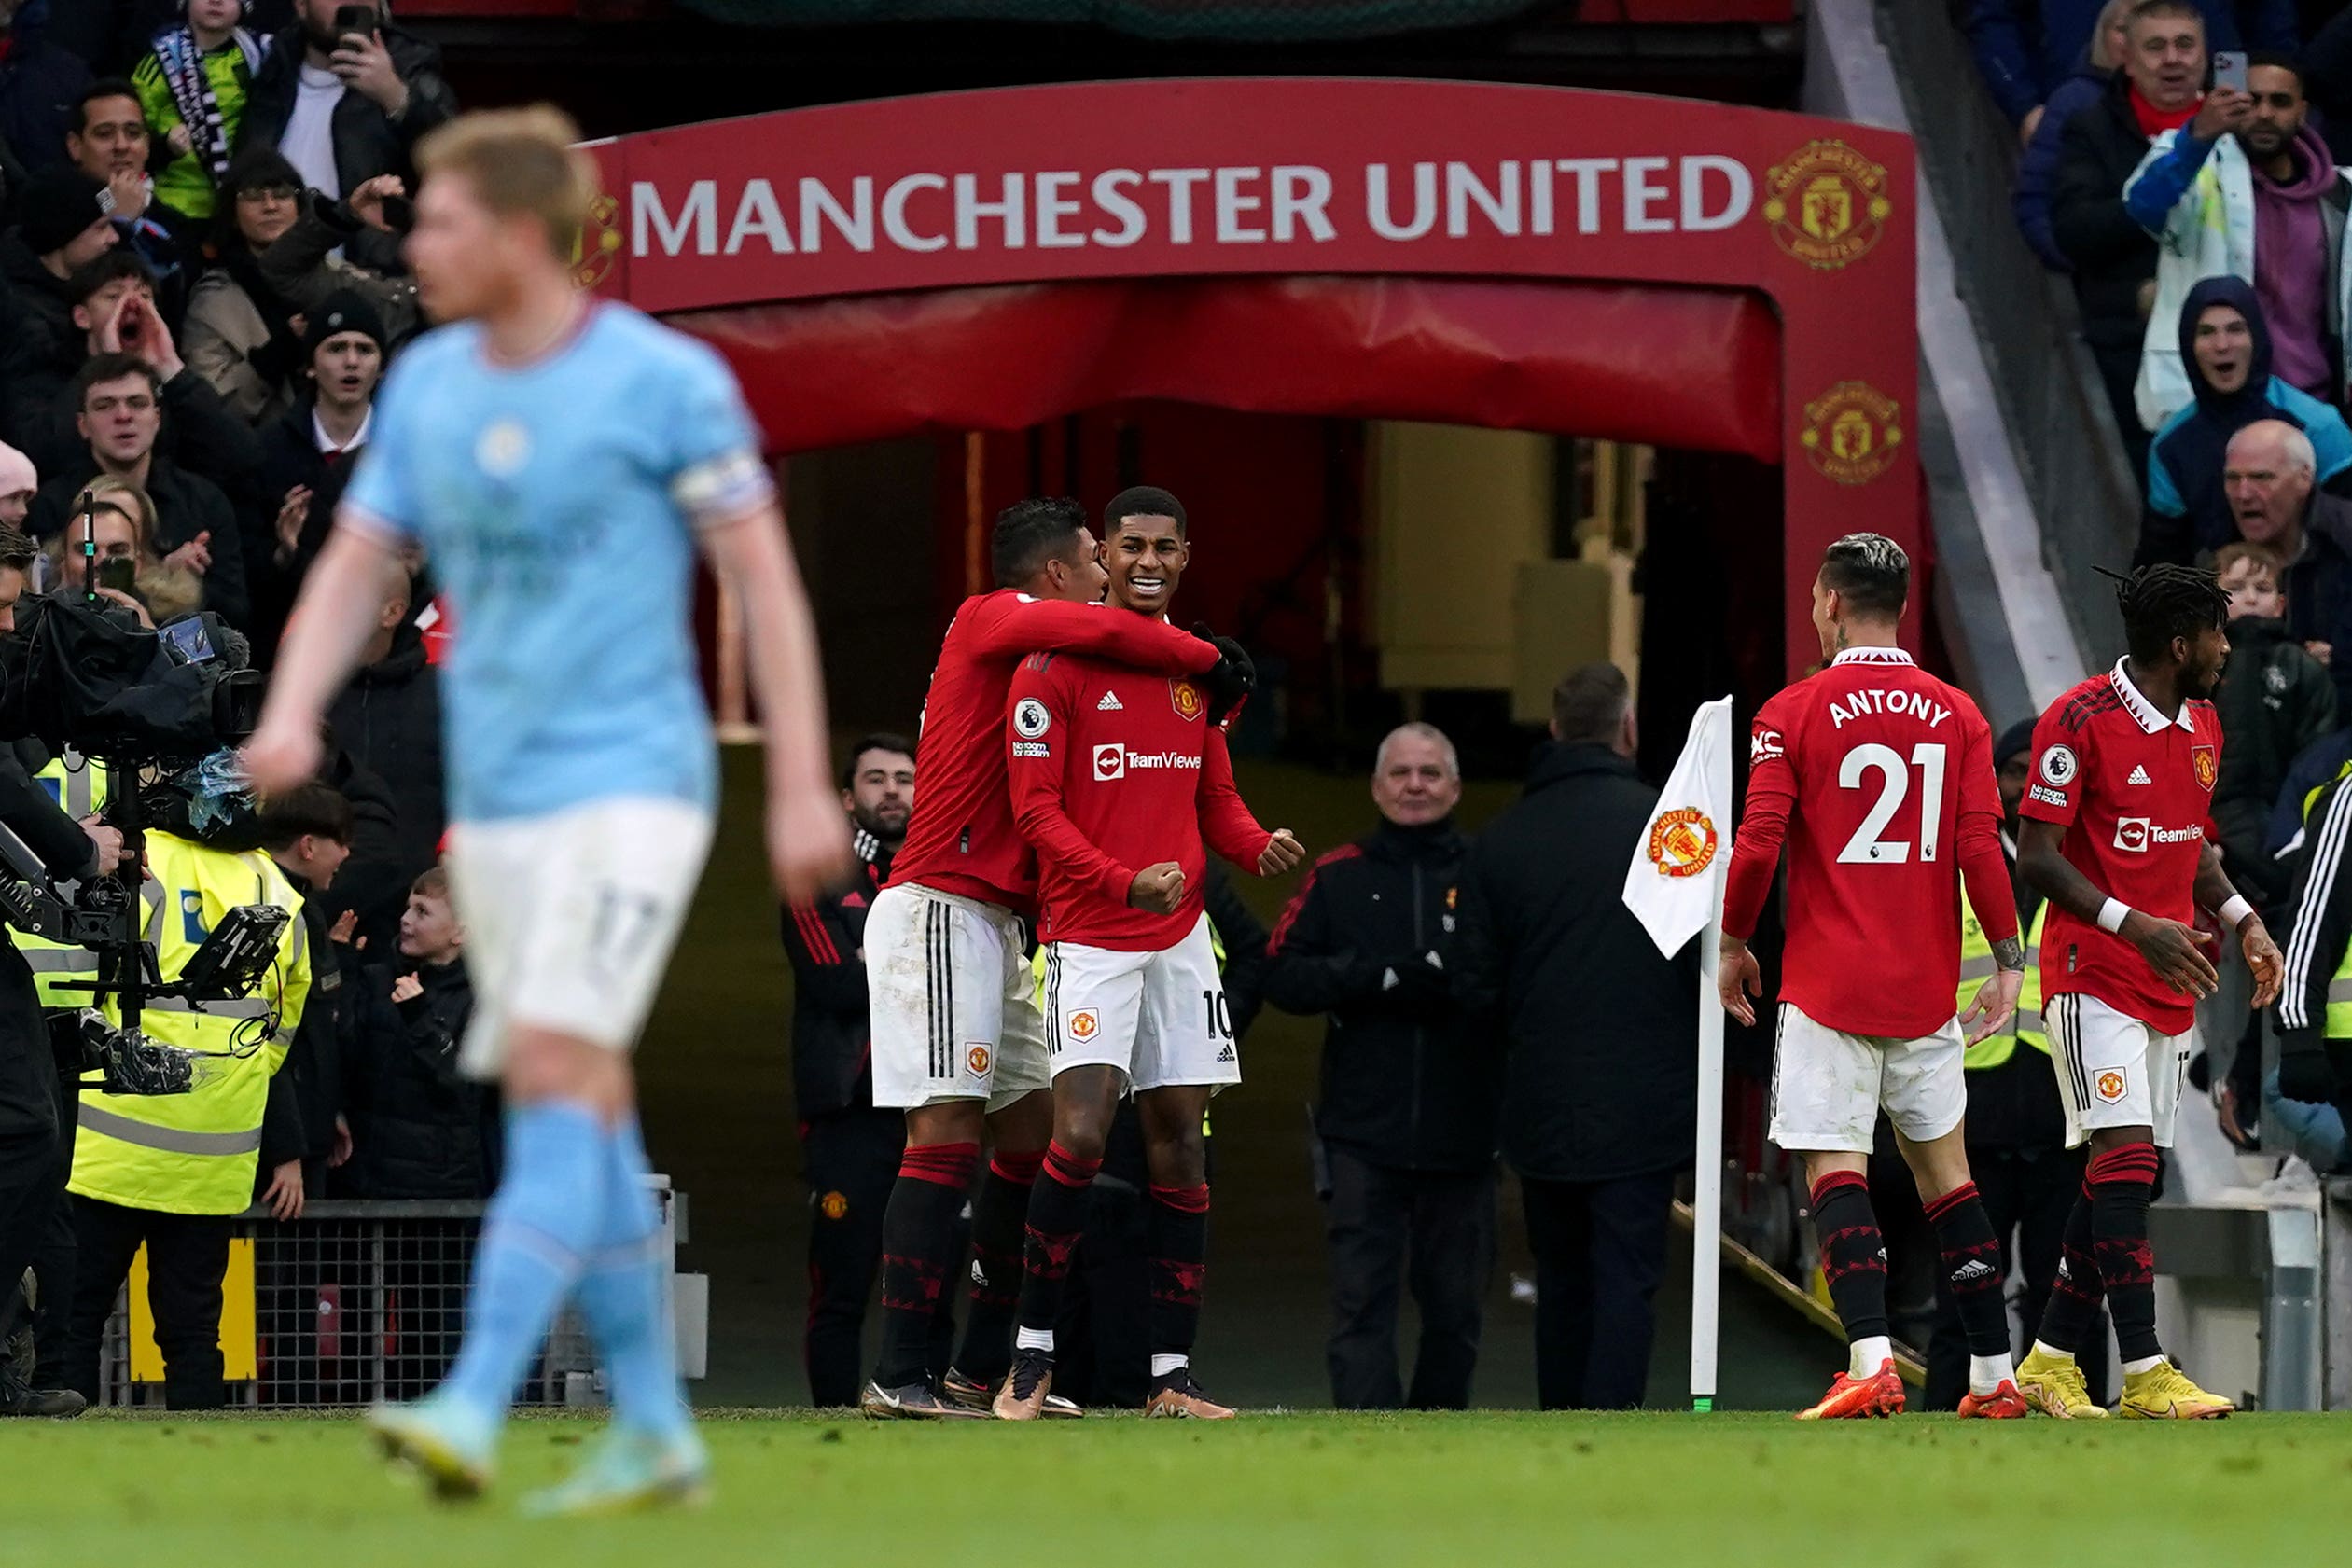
<point>1829,1087</point>
<point>2113,1069</point>
<point>570,918</point>
<point>1159,1018</point>
<point>952,1007</point>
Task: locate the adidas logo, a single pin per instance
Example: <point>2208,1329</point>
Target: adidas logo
<point>1111,704</point>
<point>980,1275</point>
<point>2139,775</point>
<point>1227,1054</point>
<point>1973,1269</point>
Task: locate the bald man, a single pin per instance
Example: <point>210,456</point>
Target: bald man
<point>1407,1115</point>
<point>2268,480</point>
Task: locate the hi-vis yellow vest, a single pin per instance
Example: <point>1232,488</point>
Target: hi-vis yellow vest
<point>78,785</point>
<point>197,1153</point>
<point>1977,967</point>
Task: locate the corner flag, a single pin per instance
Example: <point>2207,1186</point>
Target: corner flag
<point>1675,885</point>
<point>1675,888</point>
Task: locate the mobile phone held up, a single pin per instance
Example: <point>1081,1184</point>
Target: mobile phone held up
<point>2229,69</point>
<point>355,19</point>
<point>119,573</point>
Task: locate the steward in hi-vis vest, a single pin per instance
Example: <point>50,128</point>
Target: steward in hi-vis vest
<point>171,1170</point>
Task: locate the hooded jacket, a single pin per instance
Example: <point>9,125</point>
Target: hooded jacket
<point>2198,198</point>
<point>2188,514</point>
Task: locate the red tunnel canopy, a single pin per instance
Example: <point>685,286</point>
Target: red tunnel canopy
<point>1655,364</point>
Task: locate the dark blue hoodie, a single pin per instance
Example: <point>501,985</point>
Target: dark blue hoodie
<point>2188,514</point>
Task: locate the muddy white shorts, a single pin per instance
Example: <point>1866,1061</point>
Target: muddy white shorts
<point>953,1006</point>
<point>570,918</point>
<point>1159,1018</point>
<point>2114,1070</point>
<point>1829,1087</point>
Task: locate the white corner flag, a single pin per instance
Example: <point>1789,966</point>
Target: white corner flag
<point>1675,888</point>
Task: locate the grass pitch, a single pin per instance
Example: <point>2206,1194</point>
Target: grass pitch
<point>1487,1488</point>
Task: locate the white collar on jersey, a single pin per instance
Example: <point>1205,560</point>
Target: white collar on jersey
<point>1872,656</point>
<point>2150,717</point>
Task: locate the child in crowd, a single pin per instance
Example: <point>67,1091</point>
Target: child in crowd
<point>192,86</point>
<point>420,1129</point>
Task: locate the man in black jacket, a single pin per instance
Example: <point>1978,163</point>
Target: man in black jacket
<point>1602,1040</point>
<point>307,832</point>
<point>36,1147</point>
<point>1407,1111</point>
<point>390,718</point>
<point>849,1149</point>
<point>346,106</point>
<point>2161,83</point>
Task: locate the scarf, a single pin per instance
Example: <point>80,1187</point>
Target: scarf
<point>184,72</point>
<point>2153,121</point>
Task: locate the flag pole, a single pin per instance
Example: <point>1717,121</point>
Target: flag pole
<point>1706,1197</point>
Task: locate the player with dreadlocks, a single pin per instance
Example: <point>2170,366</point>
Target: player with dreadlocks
<point>2114,837</point>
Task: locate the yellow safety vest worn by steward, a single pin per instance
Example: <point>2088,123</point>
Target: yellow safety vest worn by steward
<point>1977,967</point>
<point>197,1153</point>
<point>78,785</point>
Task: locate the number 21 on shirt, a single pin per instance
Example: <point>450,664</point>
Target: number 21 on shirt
<point>1885,770</point>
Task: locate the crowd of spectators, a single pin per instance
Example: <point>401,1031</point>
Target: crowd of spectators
<point>201,203</point>
<point>2199,206</point>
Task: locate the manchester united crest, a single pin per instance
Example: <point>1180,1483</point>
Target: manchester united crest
<point>599,243</point>
<point>1852,432</point>
<point>1828,204</point>
<point>1682,842</point>
<point>977,1059</point>
<point>1187,698</point>
<point>833,1205</point>
<point>2207,764</point>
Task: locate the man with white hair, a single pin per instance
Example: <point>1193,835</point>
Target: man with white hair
<point>1406,1119</point>
<point>2268,477</point>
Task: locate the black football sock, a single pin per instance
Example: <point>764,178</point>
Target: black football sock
<point>1049,1241</point>
<point>2075,1294</point>
<point>1178,1243</point>
<point>999,1216</point>
<point>2121,1182</point>
<point>1973,1268</point>
<point>1853,1252</point>
<point>916,1231</point>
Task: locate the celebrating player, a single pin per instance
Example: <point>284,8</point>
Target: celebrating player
<point>1879,777</point>
<point>1116,775</point>
<point>561,462</point>
<point>956,1033</point>
<point>2114,837</point>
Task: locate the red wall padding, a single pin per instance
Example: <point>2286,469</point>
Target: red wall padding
<point>1669,366</point>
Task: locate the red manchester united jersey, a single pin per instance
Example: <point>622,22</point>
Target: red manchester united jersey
<point>1879,779</point>
<point>960,839</point>
<point>1113,771</point>
<point>2133,786</point>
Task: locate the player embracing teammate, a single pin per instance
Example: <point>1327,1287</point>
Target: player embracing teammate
<point>1118,775</point>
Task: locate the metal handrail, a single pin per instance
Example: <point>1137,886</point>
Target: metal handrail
<point>2060,425</point>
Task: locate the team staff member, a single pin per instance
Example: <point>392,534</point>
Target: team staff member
<point>1600,1072</point>
<point>849,1149</point>
<point>174,1171</point>
<point>2016,1130</point>
<point>1408,1107</point>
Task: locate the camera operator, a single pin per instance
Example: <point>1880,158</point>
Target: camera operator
<point>172,1172</point>
<point>35,1123</point>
